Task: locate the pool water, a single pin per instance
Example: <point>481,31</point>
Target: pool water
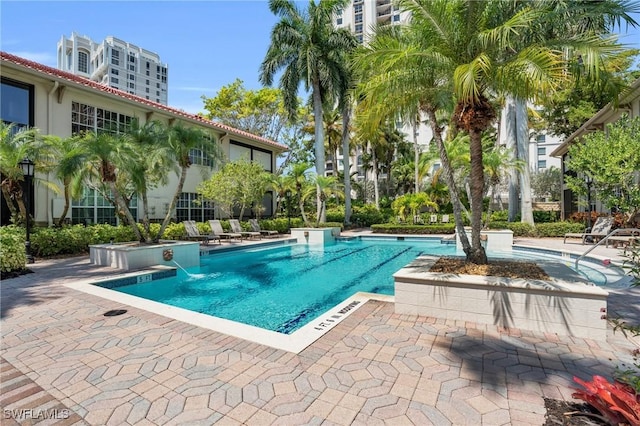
<point>281,289</point>
<point>284,288</point>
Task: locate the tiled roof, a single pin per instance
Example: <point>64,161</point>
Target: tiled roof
<point>63,75</point>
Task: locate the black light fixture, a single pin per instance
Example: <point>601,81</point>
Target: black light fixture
<point>288,194</point>
<point>589,181</point>
<point>28,170</point>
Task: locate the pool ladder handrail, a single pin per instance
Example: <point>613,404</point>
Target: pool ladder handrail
<point>632,231</point>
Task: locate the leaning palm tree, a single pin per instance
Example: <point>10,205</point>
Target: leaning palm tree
<point>181,140</point>
<point>307,47</point>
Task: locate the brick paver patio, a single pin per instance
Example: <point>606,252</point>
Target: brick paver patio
<point>61,356</point>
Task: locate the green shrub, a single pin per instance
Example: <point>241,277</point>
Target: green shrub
<point>368,215</point>
<point>75,239</point>
<point>392,228</point>
<point>519,229</point>
<point>540,216</point>
<point>557,229</point>
<point>281,224</point>
<point>500,216</point>
<point>12,252</point>
<point>335,214</point>
<point>331,225</point>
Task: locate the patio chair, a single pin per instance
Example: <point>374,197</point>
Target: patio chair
<point>216,228</point>
<point>433,219</point>
<point>255,226</point>
<point>237,228</point>
<point>445,218</point>
<point>599,230</point>
<point>192,233</point>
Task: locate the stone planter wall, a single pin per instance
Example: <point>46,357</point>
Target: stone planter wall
<point>129,256</point>
<point>569,307</point>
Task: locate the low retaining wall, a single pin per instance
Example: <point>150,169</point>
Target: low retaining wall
<point>129,256</point>
<point>573,308</point>
<point>315,235</point>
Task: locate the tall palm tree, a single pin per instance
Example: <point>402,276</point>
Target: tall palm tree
<point>181,140</point>
<point>329,186</point>
<point>309,49</point>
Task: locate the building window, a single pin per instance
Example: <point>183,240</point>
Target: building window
<point>339,21</point>
<point>358,19</point>
<point>86,118</point>
<point>132,59</point>
<point>148,64</point>
<point>191,207</point>
<point>115,80</point>
<point>132,77</point>
<point>157,100</point>
<point>396,18</point>
<point>132,67</point>
<point>542,164</point>
<point>132,86</point>
<point>359,38</point>
<point>147,73</point>
<point>17,103</point>
<point>114,71</point>
<point>542,151</point>
<point>147,82</point>
<point>238,150</point>
<point>200,157</point>
<point>358,28</point>
<point>158,85</point>
<point>83,62</point>
<point>94,208</point>
<point>541,139</point>
<point>115,57</point>
<point>357,8</point>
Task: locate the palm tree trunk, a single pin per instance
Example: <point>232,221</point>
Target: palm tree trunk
<point>319,139</point>
<point>477,254</point>
<point>172,206</point>
<point>509,139</point>
<point>9,202</point>
<point>448,177</point>
<point>145,217</point>
<point>67,200</point>
<point>123,207</point>
<point>522,131</point>
<point>416,160</point>
<point>346,162</point>
<point>376,184</point>
<point>301,207</point>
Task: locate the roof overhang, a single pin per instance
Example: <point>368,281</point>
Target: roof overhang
<point>610,113</point>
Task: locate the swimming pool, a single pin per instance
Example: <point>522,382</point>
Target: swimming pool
<point>285,287</point>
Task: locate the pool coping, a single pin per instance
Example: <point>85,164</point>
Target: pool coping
<point>294,342</point>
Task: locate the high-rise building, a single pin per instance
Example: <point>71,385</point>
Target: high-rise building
<point>361,17</point>
<point>115,63</point>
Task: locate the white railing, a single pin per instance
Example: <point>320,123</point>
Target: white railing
<point>629,231</point>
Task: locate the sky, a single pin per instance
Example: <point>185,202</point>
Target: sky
<point>206,44</point>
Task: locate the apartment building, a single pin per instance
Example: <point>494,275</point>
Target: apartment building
<point>62,104</point>
<point>115,63</point>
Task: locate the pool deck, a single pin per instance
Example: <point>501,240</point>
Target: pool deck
<point>61,357</point>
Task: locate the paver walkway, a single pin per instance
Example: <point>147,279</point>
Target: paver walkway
<point>376,367</point>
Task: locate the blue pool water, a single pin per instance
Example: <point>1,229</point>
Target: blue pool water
<point>283,288</point>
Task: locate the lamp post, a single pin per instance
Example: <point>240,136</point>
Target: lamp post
<point>288,193</point>
<point>588,180</point>
<point>28,169</point>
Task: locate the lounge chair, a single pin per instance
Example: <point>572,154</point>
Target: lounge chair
<point>433,219</point>
<point>624,238</point>
<point>216,228</point>
<point>445,218</point>
<point>237,228</point>
<point>255,226</point>
<point>599,230</point>
<point>192,233</point>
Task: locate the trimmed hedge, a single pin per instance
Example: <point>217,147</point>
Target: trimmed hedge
<point>12,252</point>
<point>558,229</point>
<point>519,229</point>
<point>392,228</point>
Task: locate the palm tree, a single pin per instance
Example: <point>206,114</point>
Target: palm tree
<point>153,164</point>
<point>105,158</point>
<point>181,140</point>
<point>297,178</point>
<point>309,49</point>
<point>329,186</point>
<point>15,145</point>
<point>65,159</point>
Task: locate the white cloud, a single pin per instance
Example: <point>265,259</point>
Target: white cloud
<point>44,58</point>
